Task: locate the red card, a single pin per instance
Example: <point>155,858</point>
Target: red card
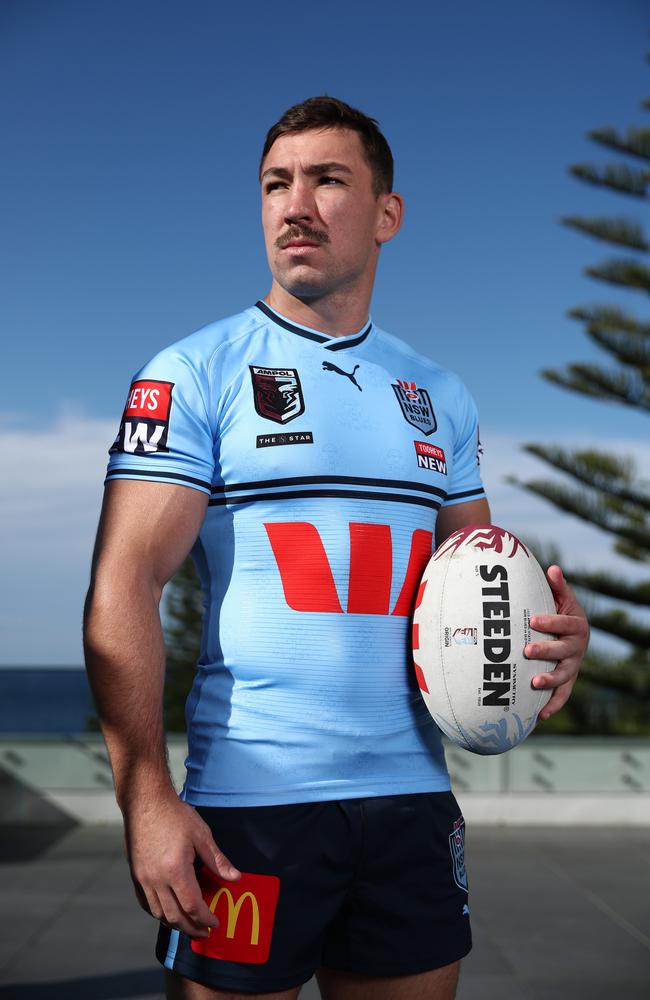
<point>246,913</point>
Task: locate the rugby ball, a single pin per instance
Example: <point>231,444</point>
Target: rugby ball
<point>470,625</point>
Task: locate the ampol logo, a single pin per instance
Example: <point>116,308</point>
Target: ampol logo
<point>277,393</point>
<point>246,913</point>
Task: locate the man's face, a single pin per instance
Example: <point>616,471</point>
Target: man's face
<point>322,221</point>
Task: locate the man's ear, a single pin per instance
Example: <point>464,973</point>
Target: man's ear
<point>391,212</point>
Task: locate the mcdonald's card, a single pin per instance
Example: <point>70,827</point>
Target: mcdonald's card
<point>246,913</point>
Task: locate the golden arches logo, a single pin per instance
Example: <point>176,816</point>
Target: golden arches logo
<point>234,909</point>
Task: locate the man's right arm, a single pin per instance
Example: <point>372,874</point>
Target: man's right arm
<point>145,532</point>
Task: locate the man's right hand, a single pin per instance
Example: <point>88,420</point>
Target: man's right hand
<point>163,838</point>
<point>145,531</point>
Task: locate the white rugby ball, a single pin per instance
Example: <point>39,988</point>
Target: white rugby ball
<point>470,625</point>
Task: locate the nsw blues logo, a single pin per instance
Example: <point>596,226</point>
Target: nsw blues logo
<point>457,848</point>
<point>277,393</point>
<point>415,404</point>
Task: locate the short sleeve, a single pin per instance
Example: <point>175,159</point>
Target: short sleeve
<point>165,433</point>
<point>465,481</point>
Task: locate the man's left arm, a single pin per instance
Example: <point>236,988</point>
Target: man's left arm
<point>569,624</point>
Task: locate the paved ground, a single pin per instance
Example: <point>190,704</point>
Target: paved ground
<point>557,913</point>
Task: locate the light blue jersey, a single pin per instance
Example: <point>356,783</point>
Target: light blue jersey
<point>326,460</point>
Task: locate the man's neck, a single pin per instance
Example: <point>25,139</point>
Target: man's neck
<point>337,315</point>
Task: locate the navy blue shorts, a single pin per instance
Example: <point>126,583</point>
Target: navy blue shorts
<point>374,885</point>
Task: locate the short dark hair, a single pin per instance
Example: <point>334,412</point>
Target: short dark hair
<point>328,112</point>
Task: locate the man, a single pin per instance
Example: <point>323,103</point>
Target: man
<point>281,446</point>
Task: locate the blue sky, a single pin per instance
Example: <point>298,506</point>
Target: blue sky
<point>130,217</point>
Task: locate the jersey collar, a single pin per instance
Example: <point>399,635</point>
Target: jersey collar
<point>329,343</point>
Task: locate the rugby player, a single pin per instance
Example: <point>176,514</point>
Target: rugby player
<point>309,461</point>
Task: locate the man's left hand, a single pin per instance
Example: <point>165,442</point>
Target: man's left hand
<point>570,626</point>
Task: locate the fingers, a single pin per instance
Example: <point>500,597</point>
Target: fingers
<point>186,910</point>
<point>555,650</point>
<point>557,701</point>
<point>194,907</point>
<point>165,879</point>
<point>571,635</point>
<point>567,650</point>
<point>188,913</point>
<point>555,576</point>
<point>177,902</point>
<point>555,679</point>
<point>559,624</point>
<point>552,650</point>
<point>566,602</point>
<point>558,584</point>
<point>162,853</point>
<point>565,653</point>
<point>571,630</point>
<point>174,896</point>
<point>163,845</point>
<point>142,896</point>
<point>214,858</point>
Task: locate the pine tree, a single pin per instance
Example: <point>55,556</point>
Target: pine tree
<point>602,489</point>
<point>183,618</point>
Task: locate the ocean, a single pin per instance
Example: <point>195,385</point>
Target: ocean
<point>45,700</point>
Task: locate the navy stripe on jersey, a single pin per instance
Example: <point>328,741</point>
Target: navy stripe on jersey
<point>154,474</point>
<point>340,345</point>
<point>352,480</point>
<point>466,493</point>
<point>351,494</point>
<point>311,334</point>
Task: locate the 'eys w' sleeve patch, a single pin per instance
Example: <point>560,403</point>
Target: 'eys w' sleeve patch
<point>145,421</point>
<point>165,433</point>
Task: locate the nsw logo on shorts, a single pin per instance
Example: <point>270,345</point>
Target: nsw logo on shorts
<point>246,913</point>
<point>145,421</point>
<point>457,849</point>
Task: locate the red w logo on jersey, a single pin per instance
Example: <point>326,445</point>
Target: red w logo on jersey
<point>307,578</point>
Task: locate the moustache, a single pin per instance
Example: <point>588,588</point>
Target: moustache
<point>301,232</point>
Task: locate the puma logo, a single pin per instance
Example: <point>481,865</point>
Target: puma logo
<point>328,366</point>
